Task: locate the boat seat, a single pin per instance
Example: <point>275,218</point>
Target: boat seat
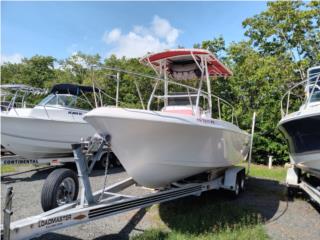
<point>183,110</point>
<point>179,111</point>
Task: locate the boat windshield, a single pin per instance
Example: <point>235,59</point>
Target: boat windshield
<point>64,100</point>
<point>182,100</point>
<point>316,93</point>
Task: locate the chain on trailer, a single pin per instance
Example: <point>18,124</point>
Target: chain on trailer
<point>91,151</point>
<point>108,143</point>
<point>94,147</point>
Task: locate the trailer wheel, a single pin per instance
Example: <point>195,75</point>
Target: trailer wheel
<point>242,181</point>
<point>237,189</point>
<point>61,187</point>
<point>291,192</point>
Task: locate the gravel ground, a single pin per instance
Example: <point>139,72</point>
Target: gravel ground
<point>284,219</point>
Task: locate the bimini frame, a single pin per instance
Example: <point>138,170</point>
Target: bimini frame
<point>160,63</point>
<point>157,80</point>
<point>18,90</point>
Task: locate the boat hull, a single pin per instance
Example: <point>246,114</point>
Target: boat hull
<point>302,132</point>
<point>36,138</point>
<point>158,148</point>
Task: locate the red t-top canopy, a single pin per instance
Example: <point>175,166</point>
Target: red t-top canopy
<point>183,56</point>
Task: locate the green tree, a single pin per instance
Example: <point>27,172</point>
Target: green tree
<point>13,73</point>
<point>39,70</point>
<point>258,83</point>
<point>36,71</point>
<point>288,26</point>
<point>80,66</point>
<point>216,46</point>
<point>129,84</point>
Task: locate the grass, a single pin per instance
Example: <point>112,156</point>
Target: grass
<point>16,167</point>
<point>256,233</point>
<point>208,217</point>
<point>7,169</point>
<point>262,171</point>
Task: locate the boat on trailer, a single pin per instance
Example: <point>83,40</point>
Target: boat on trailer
<point>47,130</point>
<point>301,129</point>
<point>182,139</point>
<point>62,209</point>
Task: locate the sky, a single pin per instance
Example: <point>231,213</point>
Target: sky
<point>130,29</point>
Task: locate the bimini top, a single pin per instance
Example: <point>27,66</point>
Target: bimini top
<point>183,63</point>
<point>67,88</point>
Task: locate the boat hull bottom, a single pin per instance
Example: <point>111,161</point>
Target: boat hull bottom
<point>309,163</point>
<point>34,149</point>
<point>37,138</point>
<point>164,172</point>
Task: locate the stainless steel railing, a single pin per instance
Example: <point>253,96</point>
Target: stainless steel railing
<point>315,87</point>
<point>220,101</point>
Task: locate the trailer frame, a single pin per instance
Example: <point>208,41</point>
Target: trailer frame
<point>294,180</point>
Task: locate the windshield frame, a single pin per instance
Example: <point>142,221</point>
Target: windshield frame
<point>46,101</point>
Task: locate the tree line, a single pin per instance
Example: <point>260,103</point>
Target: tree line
<point>282,43</point>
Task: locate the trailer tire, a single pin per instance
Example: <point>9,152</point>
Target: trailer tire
<point>237,189</point>
<point>242,176</point>
<point>291,192</point>
<point>60,187</point>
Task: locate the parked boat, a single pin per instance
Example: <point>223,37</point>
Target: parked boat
<point>182,139</point>
<point>48,129</point>
<point>302,128</point>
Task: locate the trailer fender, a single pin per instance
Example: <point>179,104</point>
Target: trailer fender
<point>231,175</point>
<point>292,178</point>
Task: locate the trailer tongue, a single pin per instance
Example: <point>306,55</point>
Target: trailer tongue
<point>106,202</point>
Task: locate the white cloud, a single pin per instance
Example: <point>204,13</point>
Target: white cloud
<point>112,36</point>
<point>14,58</point>
<point>158,36</point>
<point>163,28</point>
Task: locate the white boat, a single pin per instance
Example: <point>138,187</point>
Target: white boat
<point>48,129</point>
<point>181,140</point>
<point>302,128</point>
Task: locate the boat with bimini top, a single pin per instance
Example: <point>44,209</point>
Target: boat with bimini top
<point>181,139</point>
<point>48,129</point>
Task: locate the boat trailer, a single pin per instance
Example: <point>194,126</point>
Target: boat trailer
<point>109,200</point>
<point>295,181</point>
